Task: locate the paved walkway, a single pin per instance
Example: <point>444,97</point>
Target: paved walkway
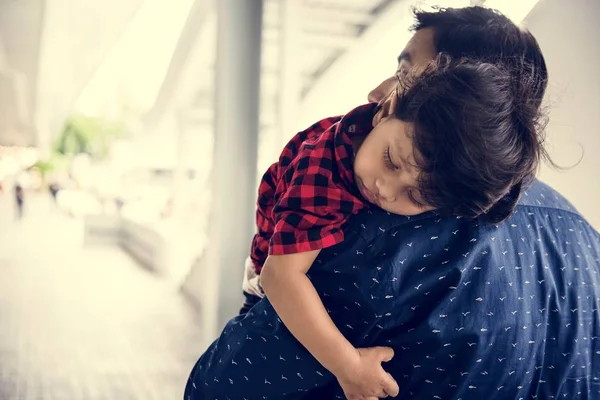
<point>85,323</point>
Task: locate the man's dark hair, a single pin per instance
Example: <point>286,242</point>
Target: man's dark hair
<point>511,100</point>
<point>475,135</point>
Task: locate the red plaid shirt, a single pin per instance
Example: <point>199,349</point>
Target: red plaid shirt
<point>306,197</point>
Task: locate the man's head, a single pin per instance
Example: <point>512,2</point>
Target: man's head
<point>476,33</point>
<point>467,157</point>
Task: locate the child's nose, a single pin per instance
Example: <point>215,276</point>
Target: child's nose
<point>386,191</point>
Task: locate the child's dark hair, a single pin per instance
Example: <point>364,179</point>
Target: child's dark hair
<point>484,34</point>
<point>478,134</point>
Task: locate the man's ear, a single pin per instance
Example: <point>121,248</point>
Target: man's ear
<point>386,107</point>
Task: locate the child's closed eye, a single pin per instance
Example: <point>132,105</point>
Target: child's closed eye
<point>388,160</point>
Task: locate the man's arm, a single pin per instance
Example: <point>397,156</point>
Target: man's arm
<point>298,304</point>
<point>256,356</point>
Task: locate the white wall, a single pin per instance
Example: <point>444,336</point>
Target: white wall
<point>568,33</point>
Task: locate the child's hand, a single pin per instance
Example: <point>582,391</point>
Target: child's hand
<point>366,379</point>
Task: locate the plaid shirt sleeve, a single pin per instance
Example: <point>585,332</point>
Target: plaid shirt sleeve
<point>316,203</point>
<point>264,222</point>
<point>306,197</point>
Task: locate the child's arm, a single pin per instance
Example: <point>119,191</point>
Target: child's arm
<point>299,306</point>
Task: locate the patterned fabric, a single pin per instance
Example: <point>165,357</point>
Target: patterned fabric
<point>472,311</point>
<point>306,197</point>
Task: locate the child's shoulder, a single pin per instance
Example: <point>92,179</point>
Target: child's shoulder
<point>309,138</point>
<point>359,116</point>
<point>318,128</point>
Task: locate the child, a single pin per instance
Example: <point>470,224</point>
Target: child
<point>416,151</point>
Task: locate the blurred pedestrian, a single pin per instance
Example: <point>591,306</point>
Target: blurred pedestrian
<point>54,188</point>
<point>19,199</point>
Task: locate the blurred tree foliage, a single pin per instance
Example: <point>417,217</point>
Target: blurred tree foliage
<point>81,134</point>
<point>44,166</point>
<point>87,134</point>
<point>56,162</point>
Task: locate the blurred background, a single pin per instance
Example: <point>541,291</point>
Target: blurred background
<point>132,137</point>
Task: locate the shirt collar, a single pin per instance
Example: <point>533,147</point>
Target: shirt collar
<point>359,121</point>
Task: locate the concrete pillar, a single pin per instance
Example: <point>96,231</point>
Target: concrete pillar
<point>216,279</point>
<point>290,72</point>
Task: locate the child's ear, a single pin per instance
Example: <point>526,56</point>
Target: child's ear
<point>386,107</point>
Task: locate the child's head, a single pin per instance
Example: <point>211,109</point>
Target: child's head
<point>461,137</point>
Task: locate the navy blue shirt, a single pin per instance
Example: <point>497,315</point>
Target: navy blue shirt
<point>472,310</point>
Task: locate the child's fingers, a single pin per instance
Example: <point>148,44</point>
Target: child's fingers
<point>384,354</point>
<point>390,386</point>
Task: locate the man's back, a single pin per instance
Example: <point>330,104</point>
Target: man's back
<point>471,310</point>
<point>502,311</point>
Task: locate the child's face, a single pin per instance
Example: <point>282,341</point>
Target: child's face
<point>385,170</point>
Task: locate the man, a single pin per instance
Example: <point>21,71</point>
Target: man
<point>471,309</point>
